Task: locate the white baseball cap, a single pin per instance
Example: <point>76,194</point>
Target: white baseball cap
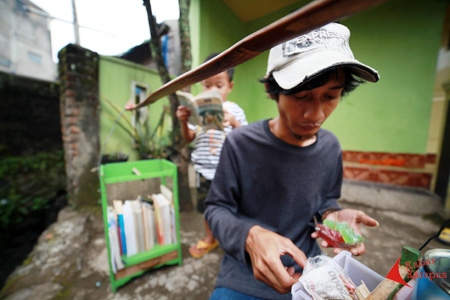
<point>308,55</point>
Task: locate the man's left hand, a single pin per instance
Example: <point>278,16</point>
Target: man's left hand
<point>354,218</point>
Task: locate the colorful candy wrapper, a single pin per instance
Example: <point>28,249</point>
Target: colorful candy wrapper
<point>338,234</point>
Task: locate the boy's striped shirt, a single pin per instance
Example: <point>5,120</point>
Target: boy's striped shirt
<point>208,145</point>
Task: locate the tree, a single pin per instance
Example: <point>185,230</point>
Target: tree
<point>185,36</point>
<point>180,153</point>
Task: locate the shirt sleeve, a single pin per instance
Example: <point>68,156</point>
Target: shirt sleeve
<point>240,115</point>
<point>334,192</point>
<point>222,204</point>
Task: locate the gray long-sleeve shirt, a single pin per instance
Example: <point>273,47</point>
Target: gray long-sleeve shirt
<point>262,180</point>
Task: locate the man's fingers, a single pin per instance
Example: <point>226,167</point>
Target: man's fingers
<point>360,249</point>
<point>275,275</point>
<point>265,249</point>
<point>366,220</point>
<point>324,244</point>
<point>283,278</point>
<point>297,254</point>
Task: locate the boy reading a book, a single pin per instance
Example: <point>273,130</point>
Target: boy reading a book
<point>277,174</point>
<point>208,145</point>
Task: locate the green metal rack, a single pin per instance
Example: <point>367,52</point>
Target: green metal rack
<point>128,180</point>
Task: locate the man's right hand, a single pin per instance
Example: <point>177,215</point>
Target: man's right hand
<point>265,249</point>
<point>183,113</point>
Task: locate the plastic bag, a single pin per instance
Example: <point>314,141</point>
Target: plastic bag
<point>324,279</point>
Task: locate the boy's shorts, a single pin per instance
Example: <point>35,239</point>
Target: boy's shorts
<point>202,193</point>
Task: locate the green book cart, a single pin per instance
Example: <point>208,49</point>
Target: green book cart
<point>126,181</point>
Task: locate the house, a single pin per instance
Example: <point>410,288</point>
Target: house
<point>170,45</point>
<point>392,131</point>
<point>25,39</point>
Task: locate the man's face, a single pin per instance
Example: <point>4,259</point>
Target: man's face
<point>302,114</point>
<point>221,82</point>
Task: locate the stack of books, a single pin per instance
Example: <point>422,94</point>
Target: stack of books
<point>136,226</point>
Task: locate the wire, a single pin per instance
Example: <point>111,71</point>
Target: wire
<point>436,235</point>
<point>106,140</point>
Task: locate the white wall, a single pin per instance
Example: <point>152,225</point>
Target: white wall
<point>25,40</point>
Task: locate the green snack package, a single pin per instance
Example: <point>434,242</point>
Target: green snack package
<point>339,226</point>
<point>350,237</point>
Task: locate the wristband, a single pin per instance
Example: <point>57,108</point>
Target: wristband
<point>329,211</point>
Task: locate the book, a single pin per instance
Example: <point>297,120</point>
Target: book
<point>158,221</point>
<point>139,225</point>
<point>163,219</point>
<point>116,261</point>
<point>130,230</point>
<point>118,210</point>
<point>167,193</point>
<point>149,225</point>
<point>173,227</point>
<point>206,108</point>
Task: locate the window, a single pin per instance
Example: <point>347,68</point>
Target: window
<point>5,62</point>
<point>36,58</point>
<point>138,94</point>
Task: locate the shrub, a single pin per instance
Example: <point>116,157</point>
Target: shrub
<point>28,184</point>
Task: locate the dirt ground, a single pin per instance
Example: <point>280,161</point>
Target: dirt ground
<point>70,261</point>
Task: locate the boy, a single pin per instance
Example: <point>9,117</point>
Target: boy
<point>208,145</point>
<point>276,175</point>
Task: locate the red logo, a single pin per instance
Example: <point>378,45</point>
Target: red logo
<point>394,274</point>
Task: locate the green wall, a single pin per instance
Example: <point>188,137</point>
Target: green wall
<point>250,91</point>
<point>214,28</point>
<point>399,38</point>
<point>116,77</point>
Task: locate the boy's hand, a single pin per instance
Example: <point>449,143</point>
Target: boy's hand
<point>130,105</point>
<point>230,120</point>
<point>354,218</point>
<point>183,113</point>
<point>265,249</point>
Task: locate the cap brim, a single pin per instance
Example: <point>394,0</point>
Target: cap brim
<point>299,71</point>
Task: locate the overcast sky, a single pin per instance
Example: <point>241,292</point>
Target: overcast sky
<point>109,27</point>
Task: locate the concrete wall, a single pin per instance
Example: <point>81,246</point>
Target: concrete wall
<point>80,108</point>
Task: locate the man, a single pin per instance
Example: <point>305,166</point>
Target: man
<point>275,175</point>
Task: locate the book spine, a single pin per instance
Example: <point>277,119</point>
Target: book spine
<point>159,223</point>
<point>122,238</point>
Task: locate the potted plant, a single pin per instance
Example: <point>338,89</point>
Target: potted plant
<point>114,157</point>
<point>149,143</point>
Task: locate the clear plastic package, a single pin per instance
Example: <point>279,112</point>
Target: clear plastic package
<point>324,279</point>
<point>355,270</point>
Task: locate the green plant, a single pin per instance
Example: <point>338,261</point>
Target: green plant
<point>150,143</point>
<point>114,157</point>
<point>28,184</point>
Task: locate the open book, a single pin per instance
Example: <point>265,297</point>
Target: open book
<point>206,108</point>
